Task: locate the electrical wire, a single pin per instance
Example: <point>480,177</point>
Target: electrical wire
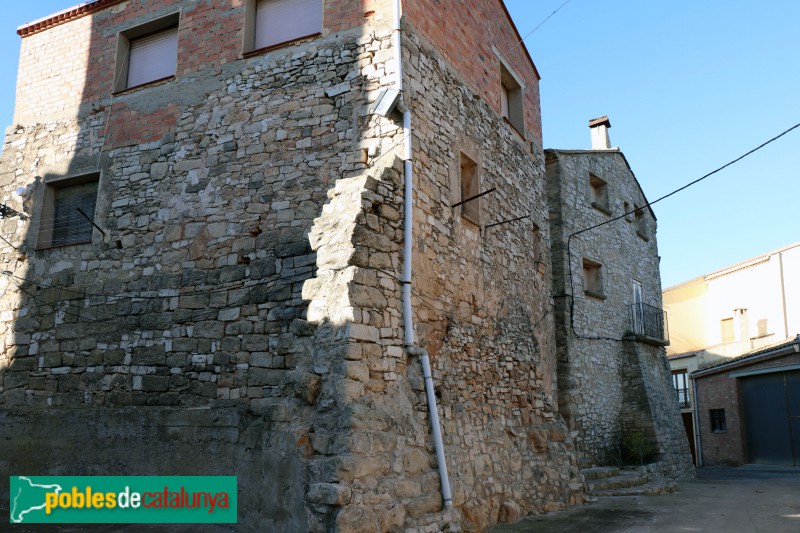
<point>534,29</point>
<point>648,204</point>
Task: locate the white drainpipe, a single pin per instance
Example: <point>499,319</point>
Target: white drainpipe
<point>698,448</point>
<point>408,218</point>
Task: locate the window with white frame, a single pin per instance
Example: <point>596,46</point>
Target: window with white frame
<point>147,53</point>
<point>277,22</point>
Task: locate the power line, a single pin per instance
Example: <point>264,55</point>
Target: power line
<point>648,204</point>
<point>534,29</point>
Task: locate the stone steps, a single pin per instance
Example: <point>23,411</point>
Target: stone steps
<point>651,488</point>
<point>611,481</point>
<point>599,472</point>
<point>622,480</point>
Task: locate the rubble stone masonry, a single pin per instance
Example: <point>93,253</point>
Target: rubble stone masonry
<point>611,382</point>
<point>238,312</point>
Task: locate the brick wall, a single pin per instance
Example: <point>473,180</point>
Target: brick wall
<point>70,65</point>
<point>719,391</point>
<point>470,34</point>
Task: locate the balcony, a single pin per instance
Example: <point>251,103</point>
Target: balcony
<point>683,398</point>
<point>648,324</point>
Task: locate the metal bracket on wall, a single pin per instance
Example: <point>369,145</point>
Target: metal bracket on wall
<point>465,200</point>
<point>6,212</point>
<point>507,221</point>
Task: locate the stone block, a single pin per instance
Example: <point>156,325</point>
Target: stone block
<point>329,494</point>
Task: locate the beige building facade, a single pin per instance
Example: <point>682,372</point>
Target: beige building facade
<point>743,309</point>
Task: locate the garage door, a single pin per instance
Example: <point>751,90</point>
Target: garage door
<point>772,417</point>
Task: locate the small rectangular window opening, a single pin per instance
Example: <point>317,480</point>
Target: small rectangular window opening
<point>592,279</point>
<point>67,212</point>
<point>726,328</point>
<point>718,424</point>
<point>511,104</point>
<point>599,193</point>
<point>470,186</point>
<point>536,245</point>
<point>640,222</point>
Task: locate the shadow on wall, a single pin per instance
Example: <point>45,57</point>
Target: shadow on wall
<point>159,324</point>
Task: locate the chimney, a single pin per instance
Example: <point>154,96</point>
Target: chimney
<point>599,128</point>
<point>742,324</point>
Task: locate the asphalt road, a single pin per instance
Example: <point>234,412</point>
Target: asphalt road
<point>725,500</point>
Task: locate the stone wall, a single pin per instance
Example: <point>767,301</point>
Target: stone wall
<point>482,302</point>
<point>243,288</point>
<point>609,382</point>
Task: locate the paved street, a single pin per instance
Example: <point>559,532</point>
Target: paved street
<point>725,500</point>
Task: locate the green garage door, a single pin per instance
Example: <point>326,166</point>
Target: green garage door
<point>772,417</point>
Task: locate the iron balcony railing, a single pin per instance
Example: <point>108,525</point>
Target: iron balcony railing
<point>683,398</point>
<point>648,321</point>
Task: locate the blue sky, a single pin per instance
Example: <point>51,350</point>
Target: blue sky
<point>688,85</point>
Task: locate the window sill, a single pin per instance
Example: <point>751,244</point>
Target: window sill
<point>471,220</point>
<point>59,246</point>
<point>716,431</point>
<point>142,85</point>
<point>270,48</point>
<point>521,135</point>
<point>601,208</point>
<point>595,295</point>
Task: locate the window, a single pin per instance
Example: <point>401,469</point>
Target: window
<point>717,420</point>
<point>640,222</point>
<point>763,330</point>
<point>599,193</point>
<point>147,53</point>
<point>680,381</point>
<point>470,186</point>
<point>69,208</point>
<point>592,279</point>
<point>511,99</point>
<point>276,22</point>
<point>638,308</point>
<point>626,208</point>
<point>726,327</point>
<point>536,245</point>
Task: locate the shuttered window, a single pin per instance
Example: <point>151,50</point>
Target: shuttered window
<point>153,57</point>
<point>69,225</point>
<point>280,21</point>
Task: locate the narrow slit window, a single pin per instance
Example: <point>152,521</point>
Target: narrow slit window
<point>599,193</point>
<point>640,222</point>
<point>470,186</point>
